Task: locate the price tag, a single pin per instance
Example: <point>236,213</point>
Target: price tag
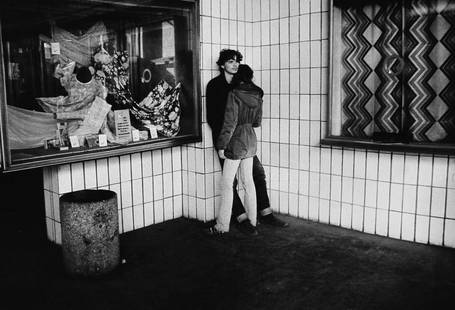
<point>102,140</point>
<point>55,48</point>
<point>153,131</point>
<point>74,141</point>
<point>135,135</point>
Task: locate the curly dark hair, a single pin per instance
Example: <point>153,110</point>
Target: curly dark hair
<point>227,54</point>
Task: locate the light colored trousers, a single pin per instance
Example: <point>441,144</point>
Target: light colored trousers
<point>230,167</point>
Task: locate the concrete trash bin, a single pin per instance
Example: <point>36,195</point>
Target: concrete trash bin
<point>90,237</point>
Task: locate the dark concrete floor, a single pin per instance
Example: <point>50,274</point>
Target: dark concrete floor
<point>173,265</point>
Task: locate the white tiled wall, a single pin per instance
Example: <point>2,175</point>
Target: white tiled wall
<point>148,187</point>
<point>399,195</point>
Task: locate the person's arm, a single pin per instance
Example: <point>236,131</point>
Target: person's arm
<point>258,121</point>
<point>210,103</point>
<point>230,122</point>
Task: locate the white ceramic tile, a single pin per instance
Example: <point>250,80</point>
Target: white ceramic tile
<point>381,222</point>
<point>168,208</point>
<point>451,173</point>
<point>326,160</point>
<point>369,225</point>
<point>294,84</point>
<point>158,187</point>
<point>157,162</point>
<point>274,33</point>
<point>275,200</point>
<point>346,189</point>
<point>215,35</point>
<point>205,7</point>
<point>440,171</point>
<point>335,188</point>
<point>147,187</point>
<point>324,25</point>
<point>256,37</point>
<point>90,174</point>
<point>284,155</point>
<point>136,166</point>
<point>56,207</point>
<point>450,205</point>
<point>324,190</point>
<point>241,35</point>
<point>449,233</point>
<point>409,198</point>
<point>315,107</point>
<point>396,197</point>
<point>348,163</point>
<point>224,9</point>
<point>248,39</point>
<point>314,184</point>
<point>264,9</point>
<point>436,230</point>
<point>359,163</point>
<point>64,179</point>
<point>346,215</point>
<point>305,81</point>
<point>293,132</point>
<point>359,192</point>
<point>127,219</point>
<point>205,29</point>
<point>422,229</point>
<point>304,133</point>
<point>315,26</point>
<point>274,8</point>
<point>167,160</point>
<point>395,225</point>
<point>116,188</point>
<point>137,192</point>
<point>337,157</point>
<point>216,6</point>
<point>146,163</point>
<point>315,6</point>
<point>77,176</point>
<point>303,182</point>
<point>159,211</point>
<point>284,8</point>
<point>177,206</point>
<point>304,27</point>
<point>233,10</point>
<point>313,208</point>
<point>58,232</point>
<point>148,214</point>
<point>315,53</point>
<point>423,200</point>
<point>383,195</point>
<point>315,81</point>
<point>275,154</point>
<point>315,133</point>
<point>410,169</point>
<point>191,207</point>
<point>384,167</point>
<point>293,205</point>
<point>125,168</point>
<point>224,32</point>
<point>371,192</point>
<point>284,74</point>
<point>294,7</point>
<point>284,30</point>
<point>357,217</point>
<point>335,212</point>
<point>325,53</point>
<point>304,56</point>
<point>324,211</point>
<point>314,159</point>
<point>284,106</point>
<point>303,206</point>
<point>372,165</point>
<point>284,203</point>
<point>167,185</point>
<point>438,201</point>
<point>294,29</point>
<point>397,167</point>
<point>425,170</point>
<point>176,158</point>
<point>407,227</point>
<point>138,216</point>
<point>126,197</point>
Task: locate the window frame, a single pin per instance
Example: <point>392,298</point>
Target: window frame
<point>370,143</point>
<point>84,154</point>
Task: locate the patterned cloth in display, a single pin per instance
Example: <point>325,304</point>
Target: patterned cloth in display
<point>372,94</point>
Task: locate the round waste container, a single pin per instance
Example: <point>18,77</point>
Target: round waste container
<point>90,237</point>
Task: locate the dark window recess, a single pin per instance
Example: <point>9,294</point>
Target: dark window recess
<point>392,79</point>
<point>90,79</point>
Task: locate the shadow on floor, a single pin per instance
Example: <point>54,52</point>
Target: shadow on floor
<point>173,265</point>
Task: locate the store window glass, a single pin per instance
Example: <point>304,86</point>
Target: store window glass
<point>86,79</point>
<point>392,72</point>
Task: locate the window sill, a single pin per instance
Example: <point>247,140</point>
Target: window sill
<point>429,148</point>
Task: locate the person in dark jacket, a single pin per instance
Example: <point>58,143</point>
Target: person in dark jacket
<point>237,144</point>
<point>216,97</point>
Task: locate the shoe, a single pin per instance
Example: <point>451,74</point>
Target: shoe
<point>272,220</point>
<point>212,231</point>
<point>247,228</point>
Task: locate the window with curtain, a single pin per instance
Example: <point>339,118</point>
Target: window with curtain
<point>393,71</point>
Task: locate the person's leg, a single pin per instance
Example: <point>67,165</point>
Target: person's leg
<point>246,174</point>
<point>238,210</point>
<point>262,196</point>
<point>224,212</point>
<point>265,213</point>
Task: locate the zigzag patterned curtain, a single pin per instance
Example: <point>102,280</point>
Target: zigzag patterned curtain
<point>372,98</point>
<point>430,70</point>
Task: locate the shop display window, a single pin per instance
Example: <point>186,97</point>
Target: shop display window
<point>81,80</point>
